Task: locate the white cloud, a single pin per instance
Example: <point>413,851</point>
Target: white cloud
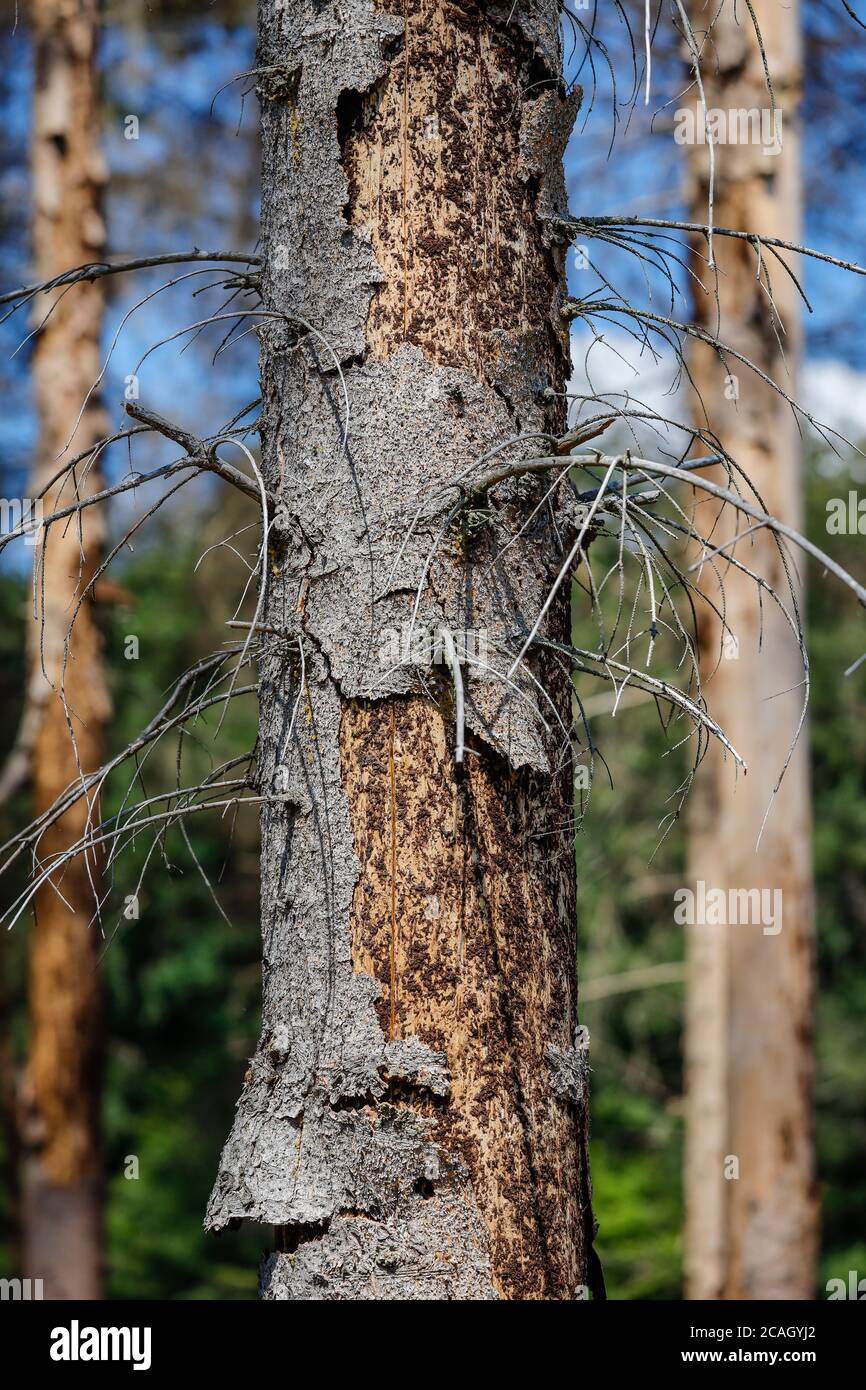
<point>835,394</point>
<point>614,368</point>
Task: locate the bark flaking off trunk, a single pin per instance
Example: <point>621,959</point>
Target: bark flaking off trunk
<point>402,1121</point>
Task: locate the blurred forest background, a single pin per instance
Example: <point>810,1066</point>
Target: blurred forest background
<point>182,982</point>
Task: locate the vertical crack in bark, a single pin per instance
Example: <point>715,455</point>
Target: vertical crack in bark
<point>404,164</point>
<point>393,875</point>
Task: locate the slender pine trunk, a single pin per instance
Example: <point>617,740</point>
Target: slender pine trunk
<point>751,1207</point>
<point>62,1218</point>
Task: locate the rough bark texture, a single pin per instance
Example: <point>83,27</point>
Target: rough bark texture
<point>749,1025</point>
<point>404,1121</point>
<point>62,1198</point>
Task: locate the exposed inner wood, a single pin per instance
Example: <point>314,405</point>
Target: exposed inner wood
<point>432,156</point>
<point>484,962</point>
<point>464,909</point>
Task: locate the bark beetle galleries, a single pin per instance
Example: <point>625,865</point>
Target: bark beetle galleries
<point>464,916</point>
<point>452,913</point>
<point>433,158</point>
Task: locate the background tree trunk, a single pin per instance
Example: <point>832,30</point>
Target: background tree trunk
<point>749,1012</point>
<point>413,1120</point>
<point>62,1179</point>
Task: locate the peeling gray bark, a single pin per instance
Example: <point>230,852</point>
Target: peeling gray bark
<point>570,1068</point>
<point>360,1145</point>
<point>414,1257</point>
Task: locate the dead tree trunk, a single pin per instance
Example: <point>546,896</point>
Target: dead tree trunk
<point>413,1121</point>
<point>62,1182</point>
<point>751,1209</point>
